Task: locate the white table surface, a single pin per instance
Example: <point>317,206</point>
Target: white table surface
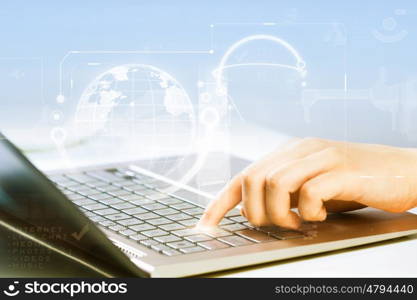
<point>393,258</point>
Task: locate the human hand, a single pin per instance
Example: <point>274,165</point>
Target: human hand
<point>319,176</point>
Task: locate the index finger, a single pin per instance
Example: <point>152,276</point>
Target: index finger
<point>232,193</point>
<point>229,197</point>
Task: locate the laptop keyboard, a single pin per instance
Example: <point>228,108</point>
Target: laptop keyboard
<point>136,206</point>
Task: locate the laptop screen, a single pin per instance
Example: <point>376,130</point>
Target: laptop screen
<point>32,206</point>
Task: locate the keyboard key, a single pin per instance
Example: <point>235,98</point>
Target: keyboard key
<point>160,247</point>
<point>97,219</point>
<point>145,178</point>
<point>235,241</point>
<point>125,183</point>
<point>123,205</point>
<point>117,228</point>
<point>149,185</point>
<point>172,226</point>
<point>119,193</point>
<point>125,174</point>
<point>105,176</point>
<point>148,242</point>
<point>100,196</point>
<point>57,178</point>
<point>170,201</point>
<point>89,192</point>
<point>170,252</point>
<point>179,217</point>
<point>111,201</point>
<point>108,188</point>
<point>96,184</point>
<point>131,197</point>
<point>105,212</point>
<point>154,206</point>
<point>119,216</point>
<point>81,187</point>
<point>183,205</point>
<point>156,196</point>
<point>225,221</point>
<point>130,222</point>
<point>127,232</point>
<point>213,245</point>
<point>155,232</point>
<point>180,244</point>
<point>256,236</point>
<point>233,213</point>
<point>141,201</point>
<point>271,229</point>
<point>138,237</point>
<point>217,232</point>
<point>147,192</point>
<point>147,216</point>
<point>136,187</point>
<point>76,188</point>
<point>159,221</point>
<point>63,190</point>
<point>286,235</point>
<point>142,227</point>
<point>68,192</point>
<point>89,214</point>
<point>166,211</point>
<point>160,185</point>
<point>85,201</point>
<point>75,197</point>
<point>189,222</point>
<point>95,206</point>
<point>107,223</point>
<point>239,219</point>
<point>168,238</point>
<point>68,183</point>
<point>192,250</point>
<point>198,238</point>
<point>186,232</point>
<point>79,177</point>
<point>247,224</point>
<point>134,211</point>
<point>233,227</point>
<point>194,211</point>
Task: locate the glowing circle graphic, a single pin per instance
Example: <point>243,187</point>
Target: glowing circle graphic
<point>141,109</point>
<point>299,64</point>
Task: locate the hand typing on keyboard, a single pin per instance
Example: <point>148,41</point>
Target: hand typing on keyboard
<point>136,207</point>
<point>319,176</point>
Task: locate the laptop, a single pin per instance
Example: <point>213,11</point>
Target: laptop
<point>121,221</point>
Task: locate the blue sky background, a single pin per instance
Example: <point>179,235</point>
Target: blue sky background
<point>36,35</point>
